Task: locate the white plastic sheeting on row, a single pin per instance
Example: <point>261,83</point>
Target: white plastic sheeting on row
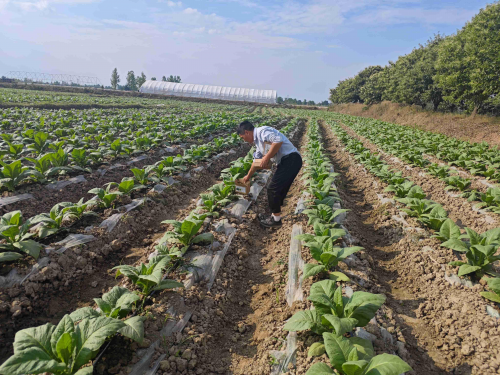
<point>209,92</point>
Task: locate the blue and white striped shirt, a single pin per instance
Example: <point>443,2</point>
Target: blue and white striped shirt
<point>268,134</point>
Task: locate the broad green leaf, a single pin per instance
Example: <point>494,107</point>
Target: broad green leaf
<point>317,349</point>
<point>89,370</point>
<point>90,335</point>
<point>320,369</point>
<point>363,347</point>
<point>327,287</point>
<point>134,328</point>
<point>65,325</point>
<point>35,337</point>
<point>33,360</point>
<point>491,296</point>
<point>168,284</point>
<point>303,320</point>
<point>456,244</point>
<point>9,256</point>
<point>82,313</point>
<point>311,269</point>
<point>64,347</point>
<point>337,348</point>
<point>465,269</point>
<point>354,367</point>
<point>338,276</point>
<point>386,364</point>
<point>204,238</point>
<point>363,306</point>
<point>341,325</point>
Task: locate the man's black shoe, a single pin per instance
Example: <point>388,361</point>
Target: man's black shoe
<point>269,222</point>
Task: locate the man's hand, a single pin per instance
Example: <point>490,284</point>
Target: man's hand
<point>265,162</point>
<point>246,178</point>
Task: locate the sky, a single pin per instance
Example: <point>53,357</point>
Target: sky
<point>299,48</point>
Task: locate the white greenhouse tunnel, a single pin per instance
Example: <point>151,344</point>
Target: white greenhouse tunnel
<point>208,92</point>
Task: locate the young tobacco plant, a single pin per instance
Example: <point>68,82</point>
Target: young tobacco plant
<point>185,232</point>
<point>17,238</point>
<point>323,250</point>
<point>104,197</point>
<point>333,312</point>
<point>51,223</point>
<point>63,349</point>
<point>148,277</point>
<point>354,356</point>
<point>479,250</point>
<point>127,186</point>
<point>116,304</point>
<point>323,213</point>
<point>11,175</point>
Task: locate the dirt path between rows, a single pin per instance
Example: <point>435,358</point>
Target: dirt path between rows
<point>249,295</point>
<point>443,328</point>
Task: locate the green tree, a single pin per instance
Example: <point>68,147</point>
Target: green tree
<point>115,79</point>
<point>131,82</point>
<point>468,63</point>
<point>349,90</point>
<point>279,100</point>
<point>153,78</point>
<point>164,79</point>
<point>172,78</point>
<point>140,80</point>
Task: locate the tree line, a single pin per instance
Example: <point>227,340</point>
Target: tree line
<point>293,101</point>
<point>457,72</point>
<point>133,82</point>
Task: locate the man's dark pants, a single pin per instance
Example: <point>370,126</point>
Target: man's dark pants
<point>286,172</point>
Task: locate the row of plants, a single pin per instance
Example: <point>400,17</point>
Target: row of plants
<point>489,200</point>
<point>478,158</point>
<point>39,153</point>
<point>334,317</point>
<point>477,249</point>
<point>16,232</point>
<point>69,346</point>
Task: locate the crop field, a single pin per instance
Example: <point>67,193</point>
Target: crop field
<point>126,250</point>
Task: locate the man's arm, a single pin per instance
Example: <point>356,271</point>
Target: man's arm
<point>275,147</point>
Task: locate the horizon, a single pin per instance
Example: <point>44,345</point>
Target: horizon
<point>300,49</point>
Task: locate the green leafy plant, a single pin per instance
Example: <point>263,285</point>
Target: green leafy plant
<point>127,186</point>
<point>42,168</point>
<point>17,238</point>
<point>51,222</point>
<point>479,250</point>
<point>185,233</point>
<point>323,213</point>
<point>333,312</point>
<point>141,176</point>
<point>63,349</point>
<point>13,174</point>
<point>323,250</point>
<point>148,277</point>
<point>104,197</point>
<point>116,304</point>
<point>494,293</point>
<point>40,144</point>
<point>355,357</point>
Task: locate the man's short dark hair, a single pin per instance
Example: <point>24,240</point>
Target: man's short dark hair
<point>245,125</point>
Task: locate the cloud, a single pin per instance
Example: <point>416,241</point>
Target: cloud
<point>174,3</point>
<point>191,11</point>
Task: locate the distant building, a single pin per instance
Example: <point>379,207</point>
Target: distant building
<point>209,92</point>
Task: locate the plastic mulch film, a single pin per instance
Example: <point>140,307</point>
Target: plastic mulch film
<point>15,198</point>
<point>217,261</point>
<point>62,184</point>
<point>171,328</point>
<point>71,241</point>
<point>110,222</point>
<point>241,206</point>
<point>137,159</point>
<point>285,357</point>
<point>301,204</point>
<point>12,278</point>
<point>295,264</point>
<point>42,263</point>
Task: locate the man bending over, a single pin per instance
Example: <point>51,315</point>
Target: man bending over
<point>284,154</point>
